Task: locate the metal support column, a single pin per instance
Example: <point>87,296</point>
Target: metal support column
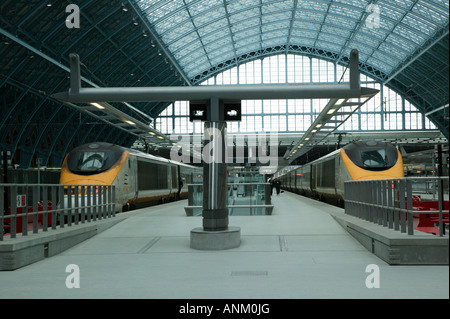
<point>215,234</point>
<point>215,196</point>
<point>440,188</point>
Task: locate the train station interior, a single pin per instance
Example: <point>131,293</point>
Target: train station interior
<point>224,149</point>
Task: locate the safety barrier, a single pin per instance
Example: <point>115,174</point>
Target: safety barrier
<point>393,203</point>
<point>28,208</point>
<point>243,199</point>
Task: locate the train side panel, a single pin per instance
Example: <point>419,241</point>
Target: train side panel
<point>173,181</point>
<point>140,179</point>
<point>187,177</point>
<point>126,187</point>
<point>121,183</point>
<point>324,178</point>
<point>305,181</point>
<point>364,160</point>
<point>153,181</point>
<point>342,176</point>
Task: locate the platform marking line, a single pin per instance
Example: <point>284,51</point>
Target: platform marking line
<point>149,245</point>
<point>283,243</point>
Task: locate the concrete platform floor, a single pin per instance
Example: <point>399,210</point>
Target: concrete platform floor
<point>298,252</point>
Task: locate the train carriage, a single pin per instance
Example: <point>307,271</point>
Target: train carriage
<point>324,178</point>
<point>140,179</point>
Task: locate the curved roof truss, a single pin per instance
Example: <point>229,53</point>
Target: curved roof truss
<point>183,42</point>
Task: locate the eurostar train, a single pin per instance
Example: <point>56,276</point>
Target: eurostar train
<point>140,179</point>
<point>324,178</point>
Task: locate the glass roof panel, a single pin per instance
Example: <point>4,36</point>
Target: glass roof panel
<point>241,37</point>
<point>340,22</point>
<point>245,24</point>
<point>332,47</point>
<point>252,43</point>
<point>350,13</point>
<point>430,12</point>
<point>194,31</point>
<point>158,10</point>
<point>302,26</point>
<point>201,7</point>
<point>318,6</point>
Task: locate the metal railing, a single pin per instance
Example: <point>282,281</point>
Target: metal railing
<point>391,202</point>
<point>243,199</point>
<point>28,208</point>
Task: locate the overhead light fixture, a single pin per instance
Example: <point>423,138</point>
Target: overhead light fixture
<point>49,3</point>
<point>340,101</point>
<point>101,107</point>
<point>130,122</point>
<point>313,131</point>
<point>124,8</point>
<point>135,22</point>
<point>319,125</point>
<point>160,137</point>
<point>152,133</point>
<point>331,111</point>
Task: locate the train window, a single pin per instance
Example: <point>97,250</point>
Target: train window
<point>374,158</point>
<point>91,161</point>
<point>93,158</point>
<point>163,177</point>
<point>174,177</point>
<point>327,171</point>
<point>147,175</point>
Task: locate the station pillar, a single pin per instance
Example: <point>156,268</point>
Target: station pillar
<point>215,234</point>
<point>215,195</point>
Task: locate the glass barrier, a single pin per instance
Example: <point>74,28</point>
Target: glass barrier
<point>244,199</point>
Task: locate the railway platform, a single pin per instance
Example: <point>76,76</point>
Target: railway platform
<point>298,252</point>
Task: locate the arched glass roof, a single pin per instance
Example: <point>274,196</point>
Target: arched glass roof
<point>202,34</point>
<point>121,43</point>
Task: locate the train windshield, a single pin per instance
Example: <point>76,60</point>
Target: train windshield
<point>372,155</point>
<point>374,158</point>
<point>92,160</point>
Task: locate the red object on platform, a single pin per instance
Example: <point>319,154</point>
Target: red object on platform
<point>427,222</point>
<point>19,219</point>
